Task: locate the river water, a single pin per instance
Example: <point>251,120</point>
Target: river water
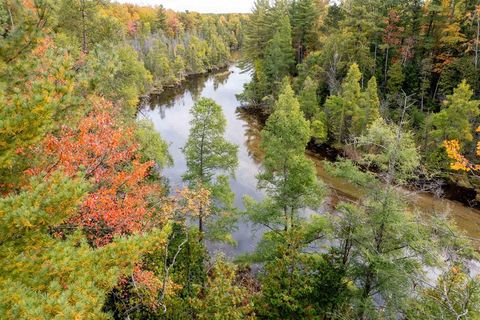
<point>170,115</point>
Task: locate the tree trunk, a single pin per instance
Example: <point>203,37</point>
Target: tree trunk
<point>84,28</point>
<point>366,292</point>
<point>386,67</point>
<point>478,36</point>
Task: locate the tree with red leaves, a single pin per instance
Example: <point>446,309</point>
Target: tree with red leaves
<point>106,153</point>
<point>391,36</point>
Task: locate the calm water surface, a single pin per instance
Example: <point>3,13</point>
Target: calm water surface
<point>170,115</point>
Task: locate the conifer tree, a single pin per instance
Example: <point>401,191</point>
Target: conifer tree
<point>311,109</point>
<point>456,120</point>
<point>308,98</point>
<point>47,276</point>
<point>211,161</point>
<point>279,55</point>
<point>395,78</point>
<point>350,112</point>
<point>288,176</point>
<point>304,15</point>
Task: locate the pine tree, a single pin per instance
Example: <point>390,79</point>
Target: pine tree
<point>395,78</point>
<point>304,16</point>
<point>380,244</point>
<point>288,176</point>
<point>368,108</point>
<point>222,298</point>
<point>279,54</point>
<point>211,160</point>
<point>456,120</point>
<point>161,19</point>
<point>340,109</point>
<point>311,109</point>
<point>308,98</point>
<point>258,31</point>
<point>350,112</point>
<point>47,276</point>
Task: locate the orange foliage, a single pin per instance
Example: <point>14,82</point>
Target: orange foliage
<point>194,202</point>
<point>106,154</point>
<point>460,163</point>
<point>174,25</point>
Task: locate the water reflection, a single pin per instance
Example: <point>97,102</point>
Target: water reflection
<point>170,115</point>
<point>252,129</point>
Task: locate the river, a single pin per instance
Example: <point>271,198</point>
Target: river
<point>170,115</point>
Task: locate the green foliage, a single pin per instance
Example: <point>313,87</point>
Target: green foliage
<point>279,58</point>
<point>211,160</point>
<point>117,74</point>
<point>455,294</point>
<point>350,112</point>
<point>289,180</point>
<point>311,109</point>
<point>206,150</point>
<point>395,78</point>
<point>381,244</point>
<point>258,31</point>
<point>21,28</point>
<point>310,67</point>
<point>268,50</point>
<point>47,276</point>
<point>456,120</point>
<point>301,286</point>
<point>29,105</point>
<point>359,262</point>
<point>152,146</point>
<point>389,150</point>
<point>308,99</point>
<point>161,19</point>
<point>457,71</point>
<point>81,20</point>
<point>288,177</point>
<point>158,63</point>
<point>222,298</point>
<point>304,15</point>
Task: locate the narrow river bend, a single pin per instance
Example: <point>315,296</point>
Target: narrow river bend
<point>170,115</point>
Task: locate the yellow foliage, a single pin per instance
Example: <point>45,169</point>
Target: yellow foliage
<point>459,162</point>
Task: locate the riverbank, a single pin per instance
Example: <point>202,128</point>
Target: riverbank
<point>439,187</point>
<point>158,90</point>
<point>170,114</point>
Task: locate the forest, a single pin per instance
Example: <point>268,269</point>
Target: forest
<point>382,95</point>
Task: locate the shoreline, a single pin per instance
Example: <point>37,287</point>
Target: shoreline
<point>448,189</point>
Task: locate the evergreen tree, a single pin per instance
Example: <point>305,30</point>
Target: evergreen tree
<point>395,78</point>
<point>383,148</point>
<point>304,15</point>
<point>380,245</point>
<point>80,18</point>
<point>161,19</point>
<point>368,108</point>
<point>279,55</point>
<point>456,120</point>
<point>211,160</point>
<point>288,177</point>
<point>311,109</point>
<point>222,297</point>
<point>349,113</point>
<point>258,31</point>
<point>47,276</point>
<point>308,98</point>
<point>340,109</point>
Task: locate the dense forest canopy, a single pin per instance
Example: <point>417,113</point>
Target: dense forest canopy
<point>423,54</point>
<point>91,229</point>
